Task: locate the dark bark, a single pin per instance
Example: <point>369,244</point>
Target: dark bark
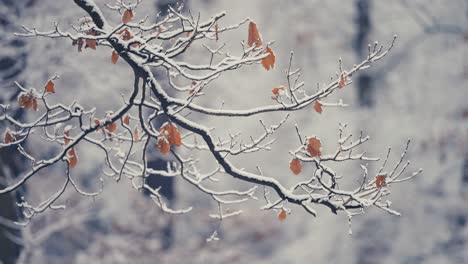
<point>13,60</point>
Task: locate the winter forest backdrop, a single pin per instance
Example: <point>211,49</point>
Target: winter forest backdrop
<point>418,91</point>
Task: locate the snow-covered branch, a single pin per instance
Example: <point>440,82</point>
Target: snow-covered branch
<point>126,135</point>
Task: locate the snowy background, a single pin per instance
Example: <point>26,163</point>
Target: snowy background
<point>419,91</point>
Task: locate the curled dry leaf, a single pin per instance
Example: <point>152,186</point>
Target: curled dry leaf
<point>313,147</point>
<point>342,81</point>
<point>269,62</point>
<point>91,43</point>
<point>72,158</point>
<point>125,34</point>
<point>254,36</point>
<point>296,166</point>
<point>66,138</point>
<point>282,215</point>
<point>114,57</point>
<point>216,31</point>
<point>27,101</point>
<point>318,107</point>
<point>111,127</point>
<point>126,120</point>
<point>79,43</point>
<point>163,145</point>
<point>127,16</point>
<point>380,181</point>
<point>136,135</point>
<point>277,91</point>
<point>172,134</point>
<point>50,87</point>
<point>8,137</point>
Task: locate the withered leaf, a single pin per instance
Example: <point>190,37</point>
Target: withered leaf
<point>8,137</point>
<point>114,57</point>
<point>342,81</point>
<point>172,134</point>
<point>126,120</point>
<point>282,215</point>
<point>380,181</point>
<point>254,36</point>
<point>269,62</point>
<point>318,107</point>
<point>163,145</point>
<point>313,147</point>
<point>72,158</point>
<point>136,135</point>
<point>127,16</point>
<point>50,87</point>
<point>278,90</point>
<point>296,166</point>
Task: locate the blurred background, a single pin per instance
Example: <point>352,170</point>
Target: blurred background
<point>418,91</point>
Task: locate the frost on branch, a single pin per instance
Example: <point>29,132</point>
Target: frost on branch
<point>127,135</point>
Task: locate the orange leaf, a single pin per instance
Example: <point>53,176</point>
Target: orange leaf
<point>72,158</point>
<point>269,62</point>
<point>91,43</point>
<point>172,134</point>
<point>313,147</point>
<point>127,16</point>
<point>22,100</point>
<point>125,34</point>
<point>296,166</point>
<point>114,57</point>
<point>254,36</point>
<point>27,101</point>
<point>49,87</point>
<point>318,107</point>
<point>282,215</point>
<point>342,81</point>
<point>8,138</point>
<point>278,90</point>
<point>136,135</point>
<point>111,127</point>
<point>163,145</point>
<point>126,120</point>
<point>380,181</point>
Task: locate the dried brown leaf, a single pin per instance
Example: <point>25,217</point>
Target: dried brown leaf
<point>269,62</point>
<point>282,215</point>
<point>114,57</point>
<point>254,36</point>
<point>318,107</point>
<point>127,16</point>
<point>8,137</point>
<point>296,166</point>
<point>50,87</point>
<point>72,158</point>
<point>313,147</point>
<point>380,181</point>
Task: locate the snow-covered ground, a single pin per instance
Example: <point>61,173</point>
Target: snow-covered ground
<point>420,94</point>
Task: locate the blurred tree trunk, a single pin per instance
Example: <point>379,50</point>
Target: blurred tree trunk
<point>167,184</point>
<point>365,87</point>
<point>12,63</point>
